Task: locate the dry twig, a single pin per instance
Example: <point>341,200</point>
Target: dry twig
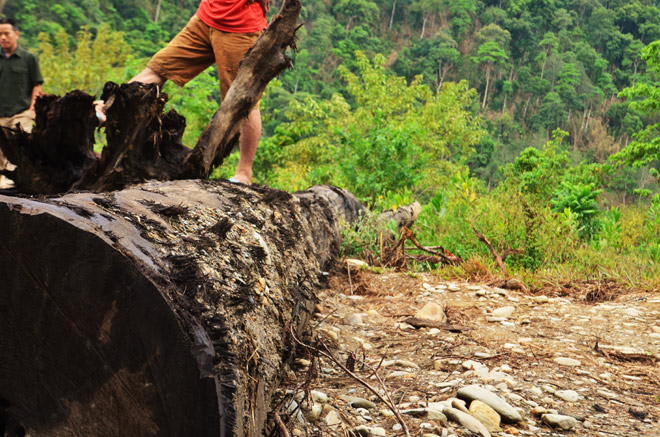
<point>387,401</point>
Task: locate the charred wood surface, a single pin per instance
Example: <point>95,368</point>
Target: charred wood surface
<point>142,142</point>
<point>159,310</point>
<point>58,151</point>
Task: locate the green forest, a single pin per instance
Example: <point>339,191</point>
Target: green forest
<point>533,122</point>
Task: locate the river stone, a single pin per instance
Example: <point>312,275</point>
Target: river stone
<point>486,415</point>
<point>314,413</point>
<point>320,397</point>
<point>356,402</point>
<point>362,431</point>
<point>406,363</point>
<point>467,421</point>
<point>415,412</point>
<point>505,312</point>
<point>559,421</point>
<point>568,395</point>
<point>473,365</point>
<point>563,361</point>
<point>476,392</point>
<point>459,404</point>
<point>355,319</point>
<point>432,312</point>
<point>436,416</point>
<point>332,419</point>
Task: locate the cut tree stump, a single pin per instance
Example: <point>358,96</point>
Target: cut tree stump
<point>159,310</point>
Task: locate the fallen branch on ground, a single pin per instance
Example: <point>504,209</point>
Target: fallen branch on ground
<point>387,401</point>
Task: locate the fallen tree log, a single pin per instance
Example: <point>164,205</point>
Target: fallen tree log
<point>142,142</point>
<point>158,310</point>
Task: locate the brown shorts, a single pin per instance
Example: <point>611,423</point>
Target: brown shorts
<point>197,47</point>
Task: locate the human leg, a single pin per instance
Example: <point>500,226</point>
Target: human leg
<point>188,54</point>
<point>248,142</point>
<point>229,49</point>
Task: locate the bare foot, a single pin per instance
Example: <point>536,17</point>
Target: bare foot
<point>241,179</point>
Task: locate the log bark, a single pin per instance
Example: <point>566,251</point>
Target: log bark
<point>159,310</point>
<point>143,143</point>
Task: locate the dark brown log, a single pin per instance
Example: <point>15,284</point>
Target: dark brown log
<point>58,151</point>
<point>159,310</point>
<point>142,143</point>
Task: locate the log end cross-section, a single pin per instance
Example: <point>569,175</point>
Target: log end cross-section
<point>161,309</point>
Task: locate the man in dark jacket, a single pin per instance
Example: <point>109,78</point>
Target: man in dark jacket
<point>20,81</point>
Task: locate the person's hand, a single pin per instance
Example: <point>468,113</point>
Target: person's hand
<point>99,107</point>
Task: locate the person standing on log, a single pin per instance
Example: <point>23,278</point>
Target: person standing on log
<point>221,32</point>
<point>20,83</point>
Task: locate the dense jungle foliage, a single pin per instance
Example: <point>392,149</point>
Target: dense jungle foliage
<point>533,121</point>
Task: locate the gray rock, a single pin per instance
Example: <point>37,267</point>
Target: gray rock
<point>476,392</point>
<point>559,421</point>
<point>415,412</point>
<point>356,402</point>
<point>436,416</point>
<point>568,395</point>
<point>319,397</point>
<point>459,404</point>
<point>314,413</point>
<point>355,319</point>
<point>332,419</point>
<point>563,361</point>
<point>541,299</point>
<point>467,421</point>
<point>362,431</point>
<point>505,312</point>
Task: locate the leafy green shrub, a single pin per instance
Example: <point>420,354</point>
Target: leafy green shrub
<point>384,159</point>
<point>387,135</point>
<point>582,201</point>
<point>610,234</point>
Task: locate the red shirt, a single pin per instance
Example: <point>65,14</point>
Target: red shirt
<point>234,16</point>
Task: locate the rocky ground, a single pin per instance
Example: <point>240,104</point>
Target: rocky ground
<point>504,362</point>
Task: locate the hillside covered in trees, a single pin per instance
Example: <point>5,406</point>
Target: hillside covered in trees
<point>498,115</point>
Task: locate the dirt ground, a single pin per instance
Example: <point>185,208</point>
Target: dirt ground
<point>587,351</point>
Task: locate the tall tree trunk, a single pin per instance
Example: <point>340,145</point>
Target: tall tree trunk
<point>545,59</point>
<point>157,15</point>
<point>392,15</point>
<point>483,104</point>
<point>526,106</point>
<point>421,35</point>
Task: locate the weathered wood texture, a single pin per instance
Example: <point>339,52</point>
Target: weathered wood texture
<point>142,143</point>
<point>158,310</point>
